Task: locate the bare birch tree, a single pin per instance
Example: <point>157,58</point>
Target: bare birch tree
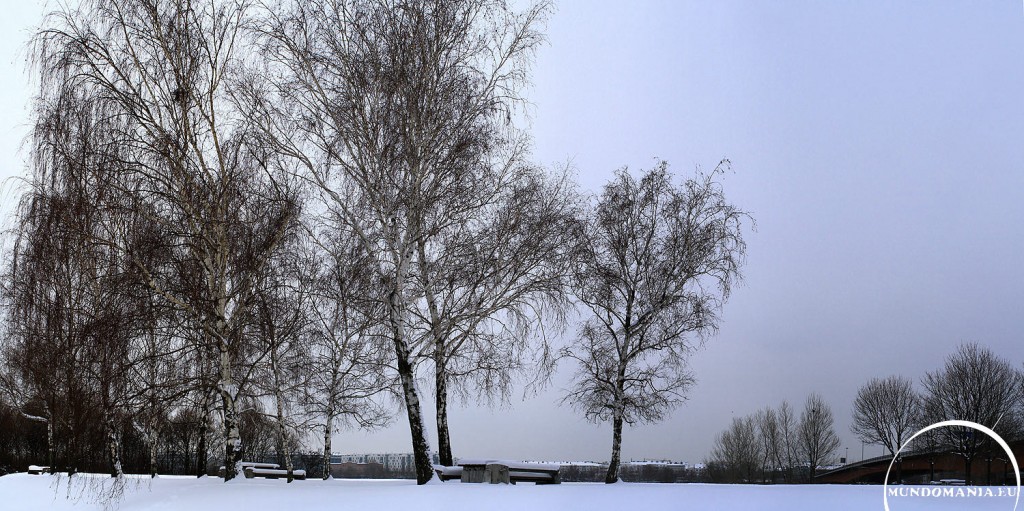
<point>399,111</point>
<point>163,70</point>
<point>37,339</point>
<point>280,323</point>
<point>488,282</point>
<point>89,289</point>
<point>348,362</point>
<point>660,263</point>
<point>159,378</point>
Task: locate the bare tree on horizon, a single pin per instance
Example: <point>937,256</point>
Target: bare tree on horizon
<point>886,411</point>
<point>772,439</point>
<point>975,385</point>
<point>816,435</point>
<point>737,454</point>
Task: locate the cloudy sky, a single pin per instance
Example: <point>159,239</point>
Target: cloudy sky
<point>880,147</point>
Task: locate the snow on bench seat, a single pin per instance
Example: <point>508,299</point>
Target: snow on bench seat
<point>512,465</point>
<point>273,473</point>
<point>249,464</point>
<point>448,473</point>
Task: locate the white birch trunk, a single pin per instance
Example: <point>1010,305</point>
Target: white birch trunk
<point>327,446</point>
<point>282,439</point>
<point>396,310</point>
<point>233,439</point>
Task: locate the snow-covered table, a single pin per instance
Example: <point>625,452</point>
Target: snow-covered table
<point>501,471</point>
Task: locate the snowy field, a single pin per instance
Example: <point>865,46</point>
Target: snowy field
<point>31,493</point>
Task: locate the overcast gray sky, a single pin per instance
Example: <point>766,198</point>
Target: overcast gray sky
<point>878,145</point>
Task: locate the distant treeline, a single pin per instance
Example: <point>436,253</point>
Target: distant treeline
<point>635,473</point>
<point>975,384</point>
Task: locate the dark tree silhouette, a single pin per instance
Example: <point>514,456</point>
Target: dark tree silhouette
<point>886,411</point>
<point>974,385</point>
<point>816,434</point>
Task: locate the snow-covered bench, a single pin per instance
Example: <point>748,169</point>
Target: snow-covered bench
<point>272,473</point>
<point>448,473</point>
<point>253,465</point>
<point>499,471</point>
<point>37,469</point>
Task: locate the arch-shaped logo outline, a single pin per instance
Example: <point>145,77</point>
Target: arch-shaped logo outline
<point>967,424</point>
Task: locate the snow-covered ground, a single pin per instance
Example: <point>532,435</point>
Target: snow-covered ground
<point>87,493</point>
